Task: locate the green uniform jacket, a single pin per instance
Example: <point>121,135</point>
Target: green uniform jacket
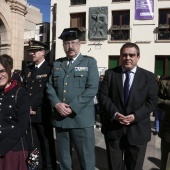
<point>77,87</point>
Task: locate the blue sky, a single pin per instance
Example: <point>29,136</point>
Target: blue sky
<point>44,6</point>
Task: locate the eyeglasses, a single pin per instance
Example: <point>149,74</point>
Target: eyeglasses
<point>130,55</point>
<point>33,52</point>
<point>72,43</point>
<point>3,72</point>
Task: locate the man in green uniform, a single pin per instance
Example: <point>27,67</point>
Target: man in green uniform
<point>72,85</point>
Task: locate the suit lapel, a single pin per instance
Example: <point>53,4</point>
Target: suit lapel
<point>33,71</point>
<point>120,83</point>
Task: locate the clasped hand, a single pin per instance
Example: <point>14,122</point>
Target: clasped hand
<point>125,120</point>
<point>63,108</point>
<point>32,112</point>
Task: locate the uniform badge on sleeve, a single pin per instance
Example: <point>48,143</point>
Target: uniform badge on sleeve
<point>41,76</point>
<point>56,68</point>
<point>80,68</point>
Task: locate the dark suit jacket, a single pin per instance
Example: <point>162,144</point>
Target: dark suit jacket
<point>77,87</point>
<point>142,101</point>
<point>35,83</point>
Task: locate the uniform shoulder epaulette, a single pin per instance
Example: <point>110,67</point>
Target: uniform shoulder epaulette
<point>60,59</point>
<point>88,56</point>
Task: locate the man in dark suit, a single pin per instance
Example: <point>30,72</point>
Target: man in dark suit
<point>72,86</point>
<point>128,95</point>
<point>35,77</point>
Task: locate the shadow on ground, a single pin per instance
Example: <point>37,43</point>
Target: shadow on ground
<point>156,161</point>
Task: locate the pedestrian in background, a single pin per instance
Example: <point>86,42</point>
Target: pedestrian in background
<point>72,86</point>
<point>157,112</point>
<point>14,121</point>
<point>128,94</point>
<point>164,104</point>
<point>35,78</point>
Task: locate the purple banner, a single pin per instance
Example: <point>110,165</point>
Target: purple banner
<point>144,9</point>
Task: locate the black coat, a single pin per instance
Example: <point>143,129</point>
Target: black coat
<point>35,83</point>
<point>142,101</point>
<point>14,120</point>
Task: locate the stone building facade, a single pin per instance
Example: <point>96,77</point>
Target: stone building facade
<point>15,19</point>
<point>108,24</point>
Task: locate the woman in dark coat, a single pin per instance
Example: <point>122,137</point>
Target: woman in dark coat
<point>14,121</point>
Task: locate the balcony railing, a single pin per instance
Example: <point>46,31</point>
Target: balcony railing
<point>119,33</point>
<point>163,32</point>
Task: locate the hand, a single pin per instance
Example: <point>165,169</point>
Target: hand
<point>122,119</point>
<point>130,118</point>
<point>32,112</point>
<point>63,108</point>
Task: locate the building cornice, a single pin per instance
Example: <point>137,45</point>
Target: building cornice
<point>17,7</point>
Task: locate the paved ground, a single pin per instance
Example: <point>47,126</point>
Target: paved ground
<point>152,158</point>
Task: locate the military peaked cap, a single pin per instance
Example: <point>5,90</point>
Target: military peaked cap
<point>70,34</point>
<point>37,45</point>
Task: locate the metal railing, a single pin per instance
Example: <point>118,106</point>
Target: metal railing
<point>163,33</point>
<point>120,34</point>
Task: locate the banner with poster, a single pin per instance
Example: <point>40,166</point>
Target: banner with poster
<point>144,9</point>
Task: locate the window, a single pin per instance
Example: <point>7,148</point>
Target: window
<point>164,24</point>
<point>162,65</point>
<point>77,2</point>
<point>41,29</point>
<point>120,29</point>
<point>79,20</point>
<point>113,61</point>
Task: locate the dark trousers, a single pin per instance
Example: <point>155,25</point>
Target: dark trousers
<point>165,149</point>
<point>43,140</point>
<point>84,143</point>
<point>121,155</point>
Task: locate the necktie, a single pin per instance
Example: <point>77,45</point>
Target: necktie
<point>126,87</point>
<point>69,63</point>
